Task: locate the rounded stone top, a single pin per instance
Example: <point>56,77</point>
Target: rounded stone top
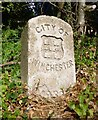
<point>53,19</point>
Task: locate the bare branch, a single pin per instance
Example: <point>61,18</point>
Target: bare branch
<point>61,10</point>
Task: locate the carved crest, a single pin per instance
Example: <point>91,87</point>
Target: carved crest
<point>52,47</point>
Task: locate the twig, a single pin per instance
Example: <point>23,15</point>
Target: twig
<point>42,6</point>
<point>61,10</point>
<point>9,63</point>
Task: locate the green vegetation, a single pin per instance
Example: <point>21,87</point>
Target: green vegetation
<point>78,102</point>
<point>11,52</point>
<point>14,97</point>
<point>84,106</point>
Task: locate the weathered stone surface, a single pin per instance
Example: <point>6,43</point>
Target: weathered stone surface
<point>47,57</point>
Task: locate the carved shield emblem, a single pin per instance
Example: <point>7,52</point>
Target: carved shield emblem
<point>52,47</point>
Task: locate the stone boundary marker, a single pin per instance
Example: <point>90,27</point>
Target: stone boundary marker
<point>47,56</point>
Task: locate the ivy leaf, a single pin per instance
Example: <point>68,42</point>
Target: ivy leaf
<point>90,112</point>
<point>72,105</point>
<point>81,98</point>
<point>79,111</point>
<point>3,88</point>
